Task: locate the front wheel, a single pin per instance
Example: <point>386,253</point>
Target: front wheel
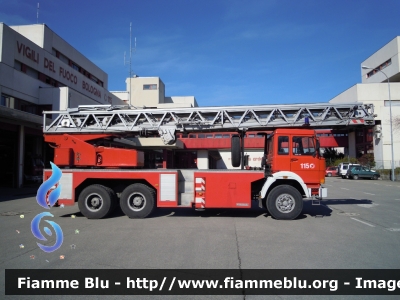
<point>284,202</point>
<point>355,177</point>
<point>137,200</point>
<point>329,174</point>
<point>375,177</point>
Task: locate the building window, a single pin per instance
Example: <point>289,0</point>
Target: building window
<point>19,104</point>
<point>93,78</point>
<point>149,86</point>
<point>360,136</point>
<point>28,107</point>
<point>62,57</point>
<point>394,103</point>
<point>378,68</point>
<point>7,101</point>
<point>25,69</point>
<point>44,78</point>
<point>17,65</point>
<point>74,66</point>
<point>32,72</point>
<point>370,135</point>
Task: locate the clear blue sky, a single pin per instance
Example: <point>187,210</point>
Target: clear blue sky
<point>224,52</point>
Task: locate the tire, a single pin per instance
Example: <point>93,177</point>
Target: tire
<point>235,151</point>
<point>137,201</point>
<point>344,177</point>
<point>375,177</point>
<point>96,201</point>
<point>284,202</point>
<point>355,177</point>
<point>114,202</point>
<point>329,174</point>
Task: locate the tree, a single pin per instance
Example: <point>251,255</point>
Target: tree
<point>331,154</point>
<point>351,160</point>
<point>367,160</point>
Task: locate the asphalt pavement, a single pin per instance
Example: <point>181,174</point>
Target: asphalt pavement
<point>356,227</point>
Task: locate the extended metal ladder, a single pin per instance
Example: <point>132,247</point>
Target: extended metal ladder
<point>119,119</point>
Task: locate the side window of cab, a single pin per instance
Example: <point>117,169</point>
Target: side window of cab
<point>283,145</point>
<point>303,145</point>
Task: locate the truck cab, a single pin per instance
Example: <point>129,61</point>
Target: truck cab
<point>295,150</point>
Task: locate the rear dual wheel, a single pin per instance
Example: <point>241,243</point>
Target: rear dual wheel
<point>137,201</point>
<point>97,201</point>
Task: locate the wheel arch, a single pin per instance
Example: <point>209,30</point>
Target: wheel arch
<point>285,177</point>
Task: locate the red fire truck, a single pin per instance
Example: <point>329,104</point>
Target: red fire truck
<point>102,167</point>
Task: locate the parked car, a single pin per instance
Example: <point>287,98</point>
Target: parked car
<point>331,171</point>
<point>33,168</point>
<point>343,167</point>
<point>356,172</point>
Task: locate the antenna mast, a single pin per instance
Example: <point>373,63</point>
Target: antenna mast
<point>130,61</point>
<point>37,14</point>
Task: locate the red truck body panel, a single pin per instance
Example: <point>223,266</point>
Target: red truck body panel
<point>221,189</point>
<point>227,189</point>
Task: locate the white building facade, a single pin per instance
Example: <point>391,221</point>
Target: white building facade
<point>150,92</point>
<point>375,89</point>
<point>40,71</point>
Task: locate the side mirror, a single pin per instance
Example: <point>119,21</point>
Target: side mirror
<point>263,161</point>
<point>235,151</point>
<point>317,148</point>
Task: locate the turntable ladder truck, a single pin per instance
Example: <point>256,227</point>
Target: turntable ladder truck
<point>101,166</point>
